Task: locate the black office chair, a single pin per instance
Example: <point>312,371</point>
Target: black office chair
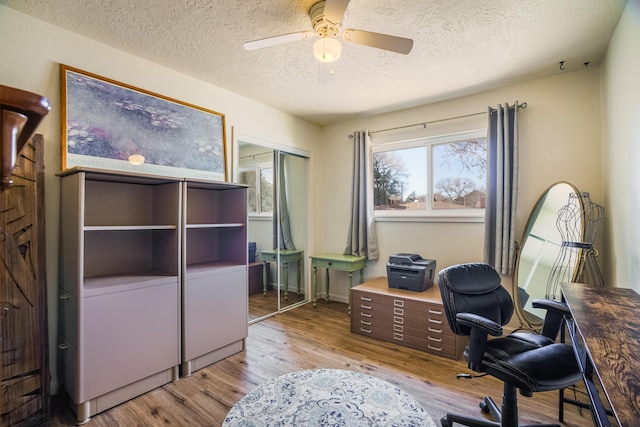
<point>477,305</point>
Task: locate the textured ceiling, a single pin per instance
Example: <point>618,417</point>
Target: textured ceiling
<point>460,46</point>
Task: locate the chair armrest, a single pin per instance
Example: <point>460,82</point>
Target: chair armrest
<point>475,321</point>
<point>557,311</point>
<point>481,328</point>
<point>552,305</point>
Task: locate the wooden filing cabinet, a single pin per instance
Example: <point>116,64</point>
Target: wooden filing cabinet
<point>412,319</point>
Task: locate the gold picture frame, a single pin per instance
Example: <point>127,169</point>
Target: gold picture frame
<point>111,125</point>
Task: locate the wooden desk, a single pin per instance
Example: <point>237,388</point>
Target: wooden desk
<point>605,333</point>
<point>340,262</point>
<point>284,257</point>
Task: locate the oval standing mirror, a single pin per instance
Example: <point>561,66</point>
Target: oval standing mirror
<point>540,249</point>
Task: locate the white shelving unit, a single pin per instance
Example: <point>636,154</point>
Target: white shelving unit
<point>215,283</point>
<point>153,276</point>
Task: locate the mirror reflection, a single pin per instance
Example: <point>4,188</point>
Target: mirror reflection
<point>276,227</point>
<point>539,250</point>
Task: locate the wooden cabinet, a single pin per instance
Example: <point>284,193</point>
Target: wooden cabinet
<point>215,290</point>
<point>24,371</point>
<point>412,319</point>
<point>153,278</point>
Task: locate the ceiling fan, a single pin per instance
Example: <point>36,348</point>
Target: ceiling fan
<point>326,20</point>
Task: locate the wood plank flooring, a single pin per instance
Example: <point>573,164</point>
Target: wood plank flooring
<point>307,338</point>
<point>261,305</point>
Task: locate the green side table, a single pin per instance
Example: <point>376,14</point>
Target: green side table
<point>285,256</point>
<point>348,263</point>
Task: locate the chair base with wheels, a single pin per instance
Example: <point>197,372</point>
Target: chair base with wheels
<point>507,416</point>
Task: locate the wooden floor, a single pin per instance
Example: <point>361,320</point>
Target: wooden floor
<point>262,305</point>
<point>307,338</point>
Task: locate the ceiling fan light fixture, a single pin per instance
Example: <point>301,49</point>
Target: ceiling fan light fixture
<point>327,49</point>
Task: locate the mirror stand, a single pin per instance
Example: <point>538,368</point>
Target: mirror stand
<point>589,271</point>
<point>577,245</point>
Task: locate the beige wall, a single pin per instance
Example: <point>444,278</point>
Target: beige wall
<point>559,140</point>
<point>32,50</point>
<point>621,152</point>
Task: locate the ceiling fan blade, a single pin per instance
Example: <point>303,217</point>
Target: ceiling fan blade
<point>334,10</point>
<point>272,41</point>
<point>380,41</point>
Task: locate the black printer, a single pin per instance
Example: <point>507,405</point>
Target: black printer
<point>410,272</point>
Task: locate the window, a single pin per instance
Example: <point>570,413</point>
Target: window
<point>437,176</point>
<point>259,178</point>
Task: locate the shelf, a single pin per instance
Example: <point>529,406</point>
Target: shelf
<point>94,174</point>
<point>229,225</point>
<point>208,206</point>
<point>215,244</point>
<point>101,285</point>
<point>208,268</point>
<point>117,251</point>
<point>131,204</point>
<point>129,227</point>
<point>212,185</point>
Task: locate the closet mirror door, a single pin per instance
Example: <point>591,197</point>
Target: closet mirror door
<point>541,249</point>
<point>290,225</point>
<point>256,170</point>
<point>276,226</point>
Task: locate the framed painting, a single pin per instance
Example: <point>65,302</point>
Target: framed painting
<point>114,126</point>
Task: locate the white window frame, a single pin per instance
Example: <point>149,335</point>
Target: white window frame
<point>258,168</point>
<point>428,215</point>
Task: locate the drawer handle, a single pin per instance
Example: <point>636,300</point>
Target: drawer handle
<point>398,319</point>
<point>398,311</point>
<point>366,331</point>
<point>434,311</point>
<point>63,346</point>
<point>366,307</point>
<point>398,328</point>
<point>398,337</point>
<point>365,323</point>
<point>65,297</point>
<point>438,331</point>
<point>367,299</point>
<point>363,314</point>
<point>398,302</point>
<point>439,322</point>
<point>430,347</point>
<point>434,339</point>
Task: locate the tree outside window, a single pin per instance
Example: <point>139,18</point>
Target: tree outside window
<point>259,180</point>
<point>426,175</point>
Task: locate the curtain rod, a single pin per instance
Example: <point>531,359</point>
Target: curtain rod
<point>253,156</point>
<point>424,124</point>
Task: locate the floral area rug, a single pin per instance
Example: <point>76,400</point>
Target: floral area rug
<point>327,397</point>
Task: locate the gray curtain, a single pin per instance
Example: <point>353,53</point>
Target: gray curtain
<point>502,188</point>
<point>362,240</point>
<point>281,220</point>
